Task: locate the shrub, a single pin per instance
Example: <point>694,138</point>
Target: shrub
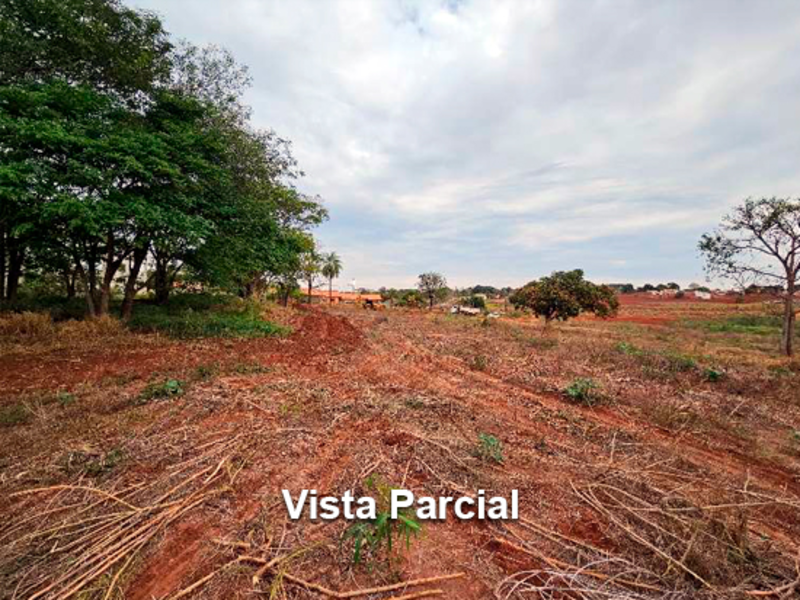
<point>474,302</point>
<point>584,390</point>
<point>489,448</point>
<point>712,374</point>
<point>171,388</point>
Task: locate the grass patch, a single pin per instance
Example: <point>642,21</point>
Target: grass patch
<point>16,414</point>
<point>747,324</point>
<point>202,315</point>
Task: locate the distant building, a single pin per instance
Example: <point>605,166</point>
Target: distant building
<point>337,297</point>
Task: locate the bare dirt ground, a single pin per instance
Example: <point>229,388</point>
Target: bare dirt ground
<point>679,477</point>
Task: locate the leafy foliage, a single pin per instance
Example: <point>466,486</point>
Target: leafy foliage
<point>170,388</point>
<point>489,448</point>
<point>564,295</point>
<point>433,286</point>
<point>224,319</point>
<point>376,537</point>
<point>584,390</point>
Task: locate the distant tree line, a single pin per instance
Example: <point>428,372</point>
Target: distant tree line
<point>130,161</point>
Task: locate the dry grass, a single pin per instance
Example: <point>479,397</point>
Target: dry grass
<point>36,333</point>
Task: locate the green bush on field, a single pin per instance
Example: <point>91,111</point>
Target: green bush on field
<point>584,390</point>
<point>171,388</point>
<point>489,448</point>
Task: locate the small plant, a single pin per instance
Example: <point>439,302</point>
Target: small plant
<point>171,388</point>
<point>680,362</point>
<point>414,402</point>
<point>65,398</point>
<point>250,369</point>
<point>489,448</point>
<point>711,374</point>
<point>207,372</point>
<point>584,390</point>
<point>628,349</point>
<point>105,463</point>
<point>377,536</point>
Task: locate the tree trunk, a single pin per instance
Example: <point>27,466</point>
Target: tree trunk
<point>70,281</point>
<point>309,291</point>
<point>15,259</point>
<point>139,254</point>
<point>162,281</point>
<point>2,264</point>
<point>330,291</point>
<point>87,289</point>
<point>787,332</point>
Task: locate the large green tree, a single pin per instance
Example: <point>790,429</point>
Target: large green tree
<point>103,183</point>
<point>564,295</point>
<point>100,43</point>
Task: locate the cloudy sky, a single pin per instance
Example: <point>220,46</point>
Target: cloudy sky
<point>498,141</point>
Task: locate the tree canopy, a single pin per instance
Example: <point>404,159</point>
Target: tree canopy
<point>564,295</point>
<point>432,286</point>
<point>122,152</point>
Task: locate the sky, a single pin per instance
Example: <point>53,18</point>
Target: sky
<point>496,141</point>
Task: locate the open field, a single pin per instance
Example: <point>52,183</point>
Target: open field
<point>656,455</point>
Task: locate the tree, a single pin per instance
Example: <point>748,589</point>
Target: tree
<point>564,295</point>
<point>762,238</point>
<point>310,265</point>
<point>331,269</point>
<point>433,286</point>
<point>99,43</point>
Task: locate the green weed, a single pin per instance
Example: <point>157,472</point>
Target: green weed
<point>171,388</point>
<point>584,390</point>
<point>489,448</point>
<point>376,537</point>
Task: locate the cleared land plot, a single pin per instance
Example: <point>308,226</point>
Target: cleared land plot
<point>653,457</point>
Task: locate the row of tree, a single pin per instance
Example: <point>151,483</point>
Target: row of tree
<point>128,159</point>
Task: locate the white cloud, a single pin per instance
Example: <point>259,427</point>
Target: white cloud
<point>446,133</point>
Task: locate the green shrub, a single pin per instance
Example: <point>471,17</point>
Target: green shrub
<point>171,388</point>
<point>584,390</point>
<point>489,448</point>
<point>711,374</point>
